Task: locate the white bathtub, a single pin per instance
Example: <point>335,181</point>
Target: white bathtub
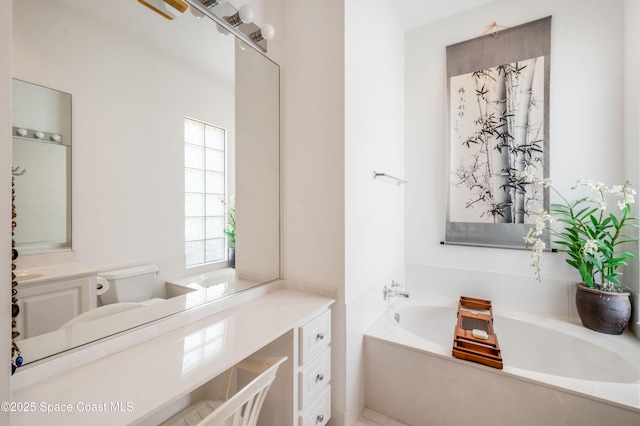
<point>555,371</point>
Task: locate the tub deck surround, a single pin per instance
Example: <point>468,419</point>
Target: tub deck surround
<point>557,356</point>
<point>130,385</point>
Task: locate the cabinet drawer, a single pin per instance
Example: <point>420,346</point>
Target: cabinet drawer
<point>315,336</point>
<point>314,379</point>
<point>320,413</point>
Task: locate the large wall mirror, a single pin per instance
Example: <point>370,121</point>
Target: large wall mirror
<point>133,78</point>
<point>42,145</point>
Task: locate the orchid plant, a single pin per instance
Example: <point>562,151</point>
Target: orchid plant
<point>591,235</point>
<point>230,227</point>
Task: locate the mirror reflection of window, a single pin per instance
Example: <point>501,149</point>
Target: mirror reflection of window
<point>205,195</point>
<point>203,345</point>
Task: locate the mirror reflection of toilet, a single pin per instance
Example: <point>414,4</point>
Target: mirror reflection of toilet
<point>121,290</point>
<point>128,285</point>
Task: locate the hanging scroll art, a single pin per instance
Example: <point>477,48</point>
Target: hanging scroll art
<point>498,87</point>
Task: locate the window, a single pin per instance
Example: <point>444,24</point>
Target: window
<point>204,191</point>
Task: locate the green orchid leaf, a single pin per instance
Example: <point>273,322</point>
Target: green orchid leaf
<point>588,234</point>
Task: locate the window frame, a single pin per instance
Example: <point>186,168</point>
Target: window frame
<point>209,214</point>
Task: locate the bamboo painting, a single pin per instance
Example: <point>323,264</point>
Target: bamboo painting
<point>497,132</point>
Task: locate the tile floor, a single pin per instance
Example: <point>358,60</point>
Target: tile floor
<point>371,418</point>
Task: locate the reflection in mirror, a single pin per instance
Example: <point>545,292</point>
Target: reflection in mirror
<point>42,145</point>
<point>135,78</point>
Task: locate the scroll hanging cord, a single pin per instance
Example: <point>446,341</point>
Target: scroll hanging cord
<point>494,29</point>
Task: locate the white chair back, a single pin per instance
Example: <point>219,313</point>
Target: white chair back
<point>243,408</point>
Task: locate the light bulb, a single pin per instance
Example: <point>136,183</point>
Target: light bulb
<point>246,14</point>
<point>267,31</point>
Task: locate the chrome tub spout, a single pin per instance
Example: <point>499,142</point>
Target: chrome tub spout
<point>394,290</point>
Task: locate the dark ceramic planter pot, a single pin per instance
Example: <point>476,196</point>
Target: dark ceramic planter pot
<point>603,311</point>
<point>232,257</point>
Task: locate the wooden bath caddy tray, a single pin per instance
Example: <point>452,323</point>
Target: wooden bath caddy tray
<point>474,338</point>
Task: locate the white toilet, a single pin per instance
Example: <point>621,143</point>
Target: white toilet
<point>127,289</point>
<point>129,285</point>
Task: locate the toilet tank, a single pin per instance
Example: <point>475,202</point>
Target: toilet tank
<point>133,284</point>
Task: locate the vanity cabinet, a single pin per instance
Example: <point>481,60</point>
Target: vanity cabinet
<point>270,320</point>
<point>47,305</point>
<point>314,371</point>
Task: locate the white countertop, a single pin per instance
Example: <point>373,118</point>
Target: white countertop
<point>46,274</point>
<point>125,387</point>
<point>41,346</point>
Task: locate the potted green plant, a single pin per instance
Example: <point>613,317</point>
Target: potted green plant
<point>230,232</point>
<point>591,239</point>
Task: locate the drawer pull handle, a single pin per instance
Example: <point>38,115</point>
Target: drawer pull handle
<point>320,377</point>
<point>320,418</point>
<point>320,336</point>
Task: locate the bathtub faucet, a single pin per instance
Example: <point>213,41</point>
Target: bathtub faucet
<point>394,290</point>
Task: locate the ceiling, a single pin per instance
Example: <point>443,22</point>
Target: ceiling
<point>192,41</point>
<point>416,13</point>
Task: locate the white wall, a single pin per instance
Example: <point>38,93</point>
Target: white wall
<point>5,202</point>
<point>313,236</point>
<point>343,118</point>
<point>587,134</point>
<point>313,143</point>
<point>374,133</point>
<point>374,141</point>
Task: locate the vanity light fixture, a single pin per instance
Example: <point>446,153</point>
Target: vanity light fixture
<point>37,135</point>
<point>244,15</point>
<point>266,32</point>
<point>169,9</point>
<point>237,21</point>
<point>212,3</point>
